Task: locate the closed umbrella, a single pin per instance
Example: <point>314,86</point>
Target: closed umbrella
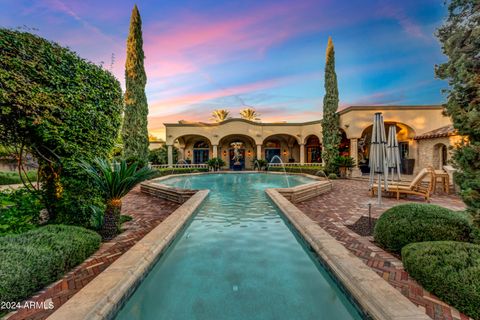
<point>378,161</point>
<point>393,154</point>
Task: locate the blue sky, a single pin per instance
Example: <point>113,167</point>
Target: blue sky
<point>203,55</point>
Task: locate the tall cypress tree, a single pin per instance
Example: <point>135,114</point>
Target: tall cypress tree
<point>331,120</point>
<point>460,43</point>
<point>134,131</point>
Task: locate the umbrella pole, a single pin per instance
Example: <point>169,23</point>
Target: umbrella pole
<point>379,190</point>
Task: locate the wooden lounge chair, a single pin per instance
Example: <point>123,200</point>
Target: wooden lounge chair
<point>415,187</point>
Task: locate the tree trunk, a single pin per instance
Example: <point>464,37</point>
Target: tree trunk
<point>111,219</point>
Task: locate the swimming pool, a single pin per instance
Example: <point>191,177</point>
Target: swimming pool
<point>238,259</point>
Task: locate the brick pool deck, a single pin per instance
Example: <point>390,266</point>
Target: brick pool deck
<point>147,213</point>
<point>344,205</point>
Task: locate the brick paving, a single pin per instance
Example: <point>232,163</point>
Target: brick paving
<point>147,213</point>
<point>346,204</point>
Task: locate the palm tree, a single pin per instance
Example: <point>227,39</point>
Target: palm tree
<point>249,114</point>
<point>220,115</point>
<point>115,180</point>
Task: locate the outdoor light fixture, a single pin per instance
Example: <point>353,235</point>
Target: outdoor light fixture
<point>284,152</point>
<point>224,153</point>
<point>188,153</point>
<point>249,153</point>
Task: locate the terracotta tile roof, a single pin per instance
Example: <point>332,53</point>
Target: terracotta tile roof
<point>437,133</point>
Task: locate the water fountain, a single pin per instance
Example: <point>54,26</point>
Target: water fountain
<point>183,162</point>
<point>282,165</point>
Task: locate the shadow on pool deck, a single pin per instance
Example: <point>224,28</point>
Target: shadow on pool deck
<point>347,202</point>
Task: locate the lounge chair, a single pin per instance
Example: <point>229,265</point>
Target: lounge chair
<point>415,187</point>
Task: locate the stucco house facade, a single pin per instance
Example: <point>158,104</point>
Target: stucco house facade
<point>302,142</point>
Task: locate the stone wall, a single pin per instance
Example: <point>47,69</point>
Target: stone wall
<point>429,151</point>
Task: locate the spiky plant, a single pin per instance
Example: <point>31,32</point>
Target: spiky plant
<point>220,115</point>
<point>249,114</point>
<point>115,180</point>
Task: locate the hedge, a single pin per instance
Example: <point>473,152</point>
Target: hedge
<point>412,222</point>
<point>448,269</point>
<point>167,171</point>
<point>12,177</point>
<point>298,169</point>
<point>36,258</point>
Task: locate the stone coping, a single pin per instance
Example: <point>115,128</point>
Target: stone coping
<point>374,295</point>
<point>295,194</point>
<point>105,295</point>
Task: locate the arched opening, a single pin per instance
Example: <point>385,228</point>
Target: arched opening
<point>194,148</point>
<point>344,147</point>
<point>284,146</point>
<point>405,135</point>
<point>237,148</point>
<point>313,149</point>
<point>440,156</point>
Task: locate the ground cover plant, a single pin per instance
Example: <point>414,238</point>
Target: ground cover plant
<point>19,211</point>
<point>13,177</point>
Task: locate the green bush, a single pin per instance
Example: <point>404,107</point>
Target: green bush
<point>297,169</point>
<point>448,269</point>
<point>412,222</point>
<point>160,155</point>
<point>332,176</point>
<point>19,211</point>
<point>12,177</point>
<point>36,258</point>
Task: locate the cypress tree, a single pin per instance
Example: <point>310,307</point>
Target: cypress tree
<point>134,131</point>
<point>331,120</point>
<point>460,36</point>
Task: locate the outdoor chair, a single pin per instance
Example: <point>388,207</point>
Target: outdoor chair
<point>416,187</point>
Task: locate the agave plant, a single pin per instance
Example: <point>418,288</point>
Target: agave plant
<point>249,114</point>
<point>115,180</point>
<point>220,115</point>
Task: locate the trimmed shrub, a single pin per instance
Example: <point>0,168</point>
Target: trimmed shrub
<point>412,222</point>
<point>448,269</point>
<point>332,176</point>
<point>12,177</point>
<point>36,258</point>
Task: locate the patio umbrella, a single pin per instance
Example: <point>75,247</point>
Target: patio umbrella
<point>378,161</point>
<point>393,153</point>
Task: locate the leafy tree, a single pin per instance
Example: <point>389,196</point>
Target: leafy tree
<point>460,38</point>
<point>115,180</point>
<point>160,155</point>
<point>220,115</point>
<point>331,120</point>
<point>134,131</point>
<point>249,114</point>
<point>59,108</point>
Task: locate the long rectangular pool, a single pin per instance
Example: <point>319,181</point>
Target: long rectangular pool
<point>238,259</point>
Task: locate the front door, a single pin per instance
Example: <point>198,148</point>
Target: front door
<point>242,160</point>
<point>200,155</point>
<point>270,153</point>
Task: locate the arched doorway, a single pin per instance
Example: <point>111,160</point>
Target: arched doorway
<point>201,151</point>
<point>440,156</point>
<point>245,146</point>
<point>193,148</point>
<point>284,146</point>
<point>313,149</point>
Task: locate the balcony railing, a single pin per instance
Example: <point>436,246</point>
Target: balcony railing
<point>180,165</point>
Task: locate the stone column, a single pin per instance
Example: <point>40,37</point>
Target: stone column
<point>182,153</point>
<point>354,154</point>
<point>170,155</point>
<point>302,153</point>
<point>215,151</point>
<point>259,152</point>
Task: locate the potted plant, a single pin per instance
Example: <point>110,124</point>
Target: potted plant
<point>261,164</point>
<point>343,163</point>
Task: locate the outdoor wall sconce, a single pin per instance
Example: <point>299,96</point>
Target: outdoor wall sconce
<point>249,153</point>
<point>284,152</point>
<point>224,153</point>
<point>188,153</point>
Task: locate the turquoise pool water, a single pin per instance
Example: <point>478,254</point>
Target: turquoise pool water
<point>238,259</point>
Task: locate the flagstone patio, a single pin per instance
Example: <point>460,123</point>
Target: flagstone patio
<point>347,202</point>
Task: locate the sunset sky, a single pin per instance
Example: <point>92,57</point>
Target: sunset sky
<point>207,54</point>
